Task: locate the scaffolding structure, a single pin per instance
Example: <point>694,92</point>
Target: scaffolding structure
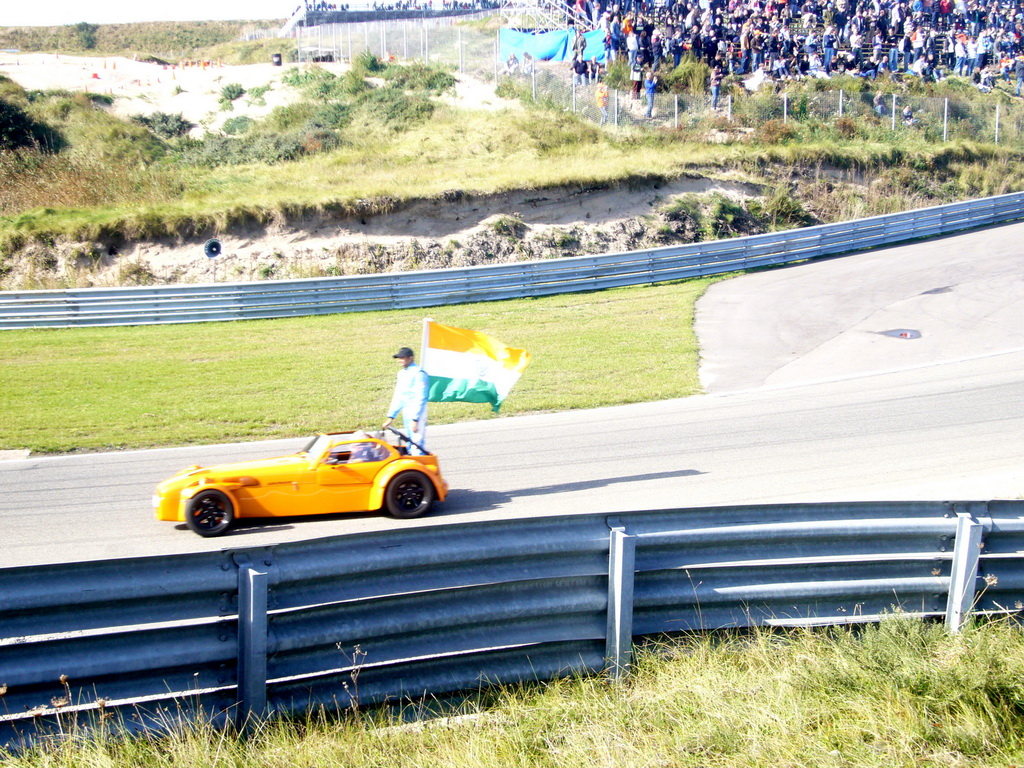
<point>542,15</point>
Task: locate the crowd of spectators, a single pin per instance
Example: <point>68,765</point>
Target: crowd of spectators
<point>399,5</point>
<point>790,39</point>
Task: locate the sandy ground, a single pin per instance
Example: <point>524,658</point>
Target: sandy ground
<point>194,91</point>
<point>141,88</point>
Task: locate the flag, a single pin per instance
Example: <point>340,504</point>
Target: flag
<point>468,366</point>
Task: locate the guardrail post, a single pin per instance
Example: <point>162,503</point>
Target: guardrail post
<point>252,645</point>
<point>964,574</point>
<point>621,570</point>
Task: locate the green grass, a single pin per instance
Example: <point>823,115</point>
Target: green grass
<point>902,693</point>
<point>111,388</point>
<point>356,149</point>
<point>163,38</point>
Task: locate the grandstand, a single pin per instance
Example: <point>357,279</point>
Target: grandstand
<point>322,14</point>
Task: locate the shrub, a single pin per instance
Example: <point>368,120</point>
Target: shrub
<point>511,89</point>
<point>164,125</point>
<point>691,76</point>
<point>334,115</point>
<point>229,93</point>
<point>86,35</point>
<point>234,126</point>
<point>617,76</point>
<point>18,130</point>
<point>256,95</point>
<point>682,209</point>
<point>418,77</point>
<point>291,117</point>
<point>367,62</point>
<point>260,147</point>
<point>352,84</point>
<point>775,132</point>
<point>232,91</point>
<point>396,109</point>
<point>781,208</point>
<point>846,127</point>
<point>509,226</point>
<point>723,218</point>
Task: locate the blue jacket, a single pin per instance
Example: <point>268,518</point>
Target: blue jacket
<point>411,390</point>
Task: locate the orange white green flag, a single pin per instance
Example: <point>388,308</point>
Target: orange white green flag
<point>468,366</point>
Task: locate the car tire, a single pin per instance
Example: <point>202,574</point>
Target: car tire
<point>408,495</point>
<point>209,513</point>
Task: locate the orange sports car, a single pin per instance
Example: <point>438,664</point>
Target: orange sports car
<point>335,472</point>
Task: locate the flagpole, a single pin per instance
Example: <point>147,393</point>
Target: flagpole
<point>423,343</point>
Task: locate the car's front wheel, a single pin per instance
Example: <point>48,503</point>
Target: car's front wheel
<point>209,513</point>
<point>409,494</point>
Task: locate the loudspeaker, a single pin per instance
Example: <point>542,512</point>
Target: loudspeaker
<point>212,248</point>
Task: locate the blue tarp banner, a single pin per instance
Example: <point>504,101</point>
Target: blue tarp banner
<point>548,46</point>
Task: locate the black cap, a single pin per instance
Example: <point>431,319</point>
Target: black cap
<point>404,352</point>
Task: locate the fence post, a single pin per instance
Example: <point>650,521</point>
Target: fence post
<point>574,93</point>
<point>616,107</point>
<point>533,76</point>
<point>945,119</point>
<point>252,644</point>
<point>621,571</point>
<point>675,120</point>
<point>997,122</point>
<point>729,113</point>
<point>785,108</point>
<point>841,102</point>
<point>894,111</point>
<point>462,68</point>
<point>964,572</point>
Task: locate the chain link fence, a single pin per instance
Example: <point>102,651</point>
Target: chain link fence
<point>476,52</point>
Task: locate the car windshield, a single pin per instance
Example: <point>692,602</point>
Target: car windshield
<point>317,445</point>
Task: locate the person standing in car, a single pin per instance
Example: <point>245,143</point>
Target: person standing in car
<point>410,399</point>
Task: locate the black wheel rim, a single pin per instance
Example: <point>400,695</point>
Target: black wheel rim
<point>209,515</point>
<point>409,495</point>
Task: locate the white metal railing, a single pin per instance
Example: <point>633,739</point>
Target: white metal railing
<point>436,609</point>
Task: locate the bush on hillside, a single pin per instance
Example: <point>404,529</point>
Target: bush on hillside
<point>267,148</point>
<point>85,35</point>
<point>691,76</point>
<point>165,125</point>
<point>417,77</point>
<point>396,109</point>
<point>235,126</point>
<point>18,130</point>
<point>367,62</point>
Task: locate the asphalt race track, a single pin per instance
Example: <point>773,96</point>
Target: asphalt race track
<point>895,374</point>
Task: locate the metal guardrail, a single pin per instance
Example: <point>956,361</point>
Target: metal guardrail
<point>375,617</point>
<point>431,288</point>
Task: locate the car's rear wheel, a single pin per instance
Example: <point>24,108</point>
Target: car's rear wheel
<point>209,513</point>
<point>409,494</point>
